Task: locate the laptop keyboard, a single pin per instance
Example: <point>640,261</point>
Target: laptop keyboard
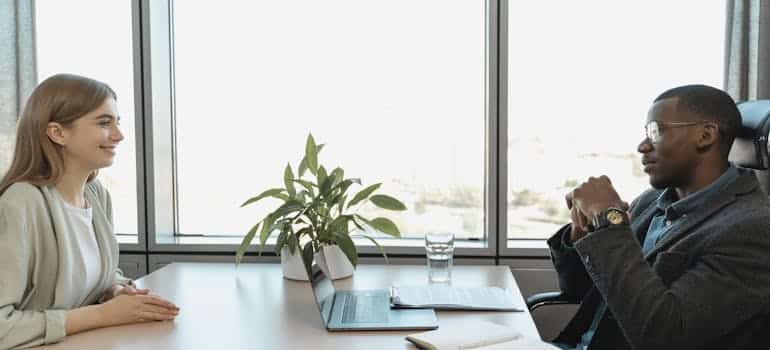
<point>365,309</point>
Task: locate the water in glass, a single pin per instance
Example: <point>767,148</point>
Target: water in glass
<point>439,248</point>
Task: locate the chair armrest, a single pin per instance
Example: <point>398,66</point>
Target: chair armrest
<point>537,300</point>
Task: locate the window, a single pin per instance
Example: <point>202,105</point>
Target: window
<point>93,39</point>
<point>395,89</point>
<point>581,77</point>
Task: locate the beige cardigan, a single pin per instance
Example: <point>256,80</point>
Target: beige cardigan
<point>41,267</point>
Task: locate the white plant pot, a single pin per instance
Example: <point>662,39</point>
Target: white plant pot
<point>292,265</point>
<point>333,262</point>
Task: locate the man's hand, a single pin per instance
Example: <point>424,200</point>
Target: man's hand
<point>589,199</point>
<point>579,222</point>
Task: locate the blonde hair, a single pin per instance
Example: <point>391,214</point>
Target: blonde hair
<point>62,98</point>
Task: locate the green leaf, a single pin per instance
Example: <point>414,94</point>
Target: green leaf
<point>245,243</point>
<point>347,246</point>
<point>387,202</point>
<point>304,230</point>
<point>343,185</point>
<point>307,185</point>
<point>302,196</point>
<point>288,175</point>
<point>281,241</point>
<point>359,225</point>
<point>312,217</point>
<point>273,192</point>
<point>363,194</point>
<point>334,201</point>
<point>326,185</point>
<point>293,243</point>
<point>341,203</point>
<point>382,251</point>
<point>324,236</point>
<point>307,259</point>
<point>303,164</point>
<point>340,224</point>
<point>311,154</point>
<point>287,208</point>
<point>385,226</point>
<point>338,174</point>
<point>321,176</point>
<point>302,167</point>
<point>267,226</point>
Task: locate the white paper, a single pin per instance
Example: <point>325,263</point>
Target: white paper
<point>470,336</point>
<point>521,344</point>
<point>492,298</point>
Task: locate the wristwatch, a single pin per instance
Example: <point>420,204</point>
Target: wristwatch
<point>610,216</point>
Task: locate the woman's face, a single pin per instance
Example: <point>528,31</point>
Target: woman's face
<point>90,142</point>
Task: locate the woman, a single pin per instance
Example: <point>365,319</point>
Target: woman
<point>58,253</point>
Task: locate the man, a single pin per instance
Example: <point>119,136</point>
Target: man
<point>688,266</point>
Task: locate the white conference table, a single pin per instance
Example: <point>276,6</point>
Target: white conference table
<point>253,307</point>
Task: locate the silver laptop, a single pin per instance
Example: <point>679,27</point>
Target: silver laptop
<point>347,310</point>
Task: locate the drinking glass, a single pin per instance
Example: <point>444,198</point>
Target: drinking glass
<point>439,248</point>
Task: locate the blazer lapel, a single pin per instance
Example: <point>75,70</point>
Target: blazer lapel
<point>745,183</point>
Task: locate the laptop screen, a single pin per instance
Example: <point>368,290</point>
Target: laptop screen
<point>323,289</point>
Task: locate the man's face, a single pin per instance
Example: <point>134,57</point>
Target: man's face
<point>672,159</point>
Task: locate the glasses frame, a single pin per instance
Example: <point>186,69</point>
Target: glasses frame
<point>654,134</point>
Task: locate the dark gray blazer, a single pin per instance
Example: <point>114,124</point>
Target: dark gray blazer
<point>706,285</point>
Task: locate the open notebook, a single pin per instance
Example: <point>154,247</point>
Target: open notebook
<point>478,335</point>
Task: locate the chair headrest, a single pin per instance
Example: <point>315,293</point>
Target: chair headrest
<point>750,146</point>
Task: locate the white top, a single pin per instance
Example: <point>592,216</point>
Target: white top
<point>82,222</point>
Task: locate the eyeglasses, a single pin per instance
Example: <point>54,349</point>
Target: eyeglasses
<point>654,128</point>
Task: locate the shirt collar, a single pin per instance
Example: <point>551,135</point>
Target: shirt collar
<point>673,207</point>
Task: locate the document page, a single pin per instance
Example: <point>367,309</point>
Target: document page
<point>447,297</point>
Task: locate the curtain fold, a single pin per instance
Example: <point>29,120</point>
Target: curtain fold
<point>747,49</point>
<point>18,68</point>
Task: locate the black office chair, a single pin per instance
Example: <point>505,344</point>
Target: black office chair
<point>749,151</point>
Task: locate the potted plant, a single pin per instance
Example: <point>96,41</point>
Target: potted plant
<point>316,218</point>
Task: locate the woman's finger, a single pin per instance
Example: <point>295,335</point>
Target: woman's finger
<point>156,300</point>
<point>159,309</point>
<point>154,316</point>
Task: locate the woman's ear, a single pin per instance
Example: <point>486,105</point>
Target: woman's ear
<point>55,132</point>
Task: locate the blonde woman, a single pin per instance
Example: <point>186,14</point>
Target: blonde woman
<point>58,253</point>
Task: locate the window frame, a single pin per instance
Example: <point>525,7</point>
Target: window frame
<point>160,219</point>
<point>157,187</point>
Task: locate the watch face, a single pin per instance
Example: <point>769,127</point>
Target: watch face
<point>615,217</point>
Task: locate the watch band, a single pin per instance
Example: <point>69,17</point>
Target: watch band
<point>609,217</point>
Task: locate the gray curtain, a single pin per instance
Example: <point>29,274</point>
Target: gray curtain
<point>18,73</point>
<point>747,54</point>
